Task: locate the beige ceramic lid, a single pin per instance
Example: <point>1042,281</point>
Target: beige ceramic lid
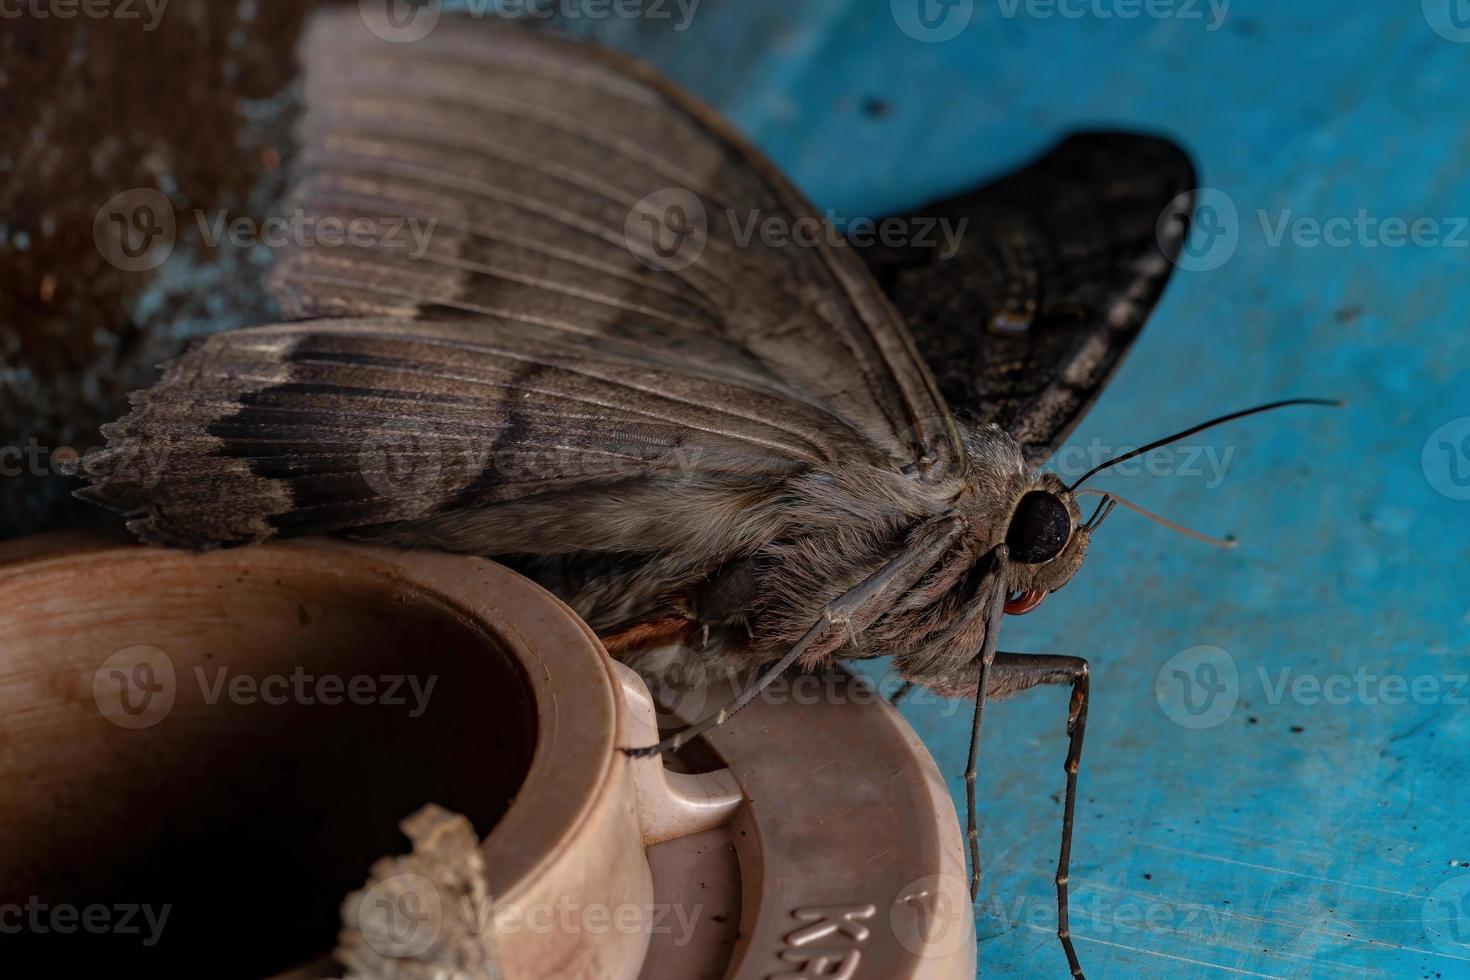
<point>811,836</point>
<point>844,857</point>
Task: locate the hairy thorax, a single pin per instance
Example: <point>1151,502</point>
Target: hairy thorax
<point>841,526</point>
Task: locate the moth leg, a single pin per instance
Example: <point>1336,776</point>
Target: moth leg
<point>1013,672</point>
<point>982,688</point>
<point>849,613</point>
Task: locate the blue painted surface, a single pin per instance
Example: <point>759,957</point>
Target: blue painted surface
<point>1295,837</point>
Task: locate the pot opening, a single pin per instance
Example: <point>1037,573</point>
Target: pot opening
<point>196,768</point>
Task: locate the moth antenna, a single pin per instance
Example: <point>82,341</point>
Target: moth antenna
<point>1328,402</point>
<point>1110,498</point>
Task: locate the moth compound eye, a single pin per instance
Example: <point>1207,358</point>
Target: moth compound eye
<point>1039,528</point>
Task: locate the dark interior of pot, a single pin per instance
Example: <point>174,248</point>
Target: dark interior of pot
<point>199,761</point>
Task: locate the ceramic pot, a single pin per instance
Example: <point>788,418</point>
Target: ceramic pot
<point>215,747</point>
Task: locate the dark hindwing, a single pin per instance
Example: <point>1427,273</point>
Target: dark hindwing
<point>1058,268</point>
<point>518,315</point>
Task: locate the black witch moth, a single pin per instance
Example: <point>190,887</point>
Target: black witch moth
<point>780,452</point>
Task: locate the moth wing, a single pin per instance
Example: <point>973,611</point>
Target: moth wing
<point>1057,268</point>
<point>571,443</point>
<point>573,190</point>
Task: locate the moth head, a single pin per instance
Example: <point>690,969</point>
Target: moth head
<point>1046,541</point>
<point>1030,511</point>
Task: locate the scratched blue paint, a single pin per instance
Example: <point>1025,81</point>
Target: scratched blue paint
<point>1247,848</point>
